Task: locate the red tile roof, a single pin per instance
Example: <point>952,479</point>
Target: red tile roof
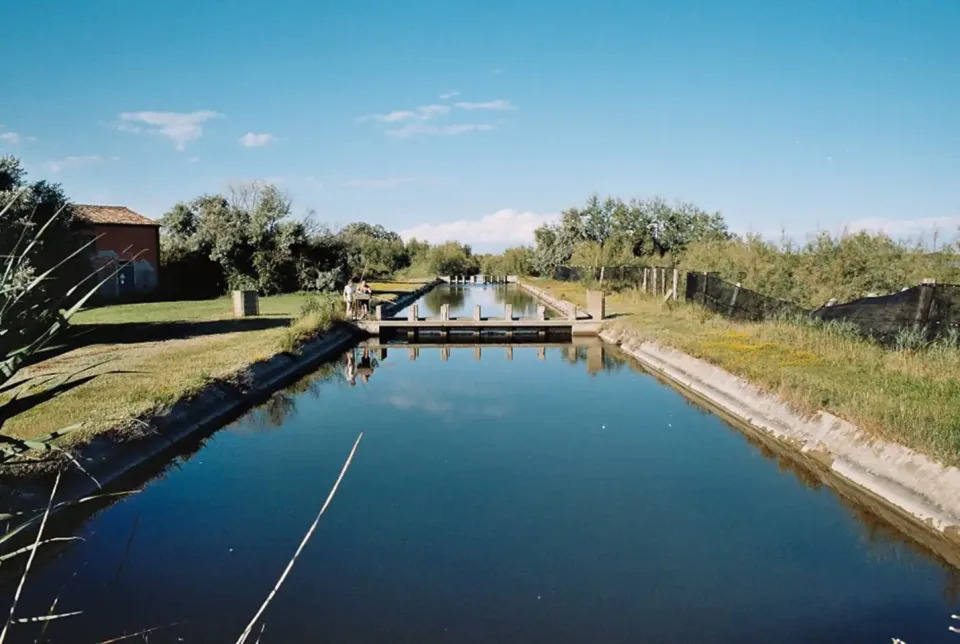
<point>112,215</point>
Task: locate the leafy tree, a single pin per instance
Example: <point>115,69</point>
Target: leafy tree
<point>452,258</point>
<point>27,207</point>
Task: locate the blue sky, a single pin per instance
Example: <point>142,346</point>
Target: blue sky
<point>481,119</point>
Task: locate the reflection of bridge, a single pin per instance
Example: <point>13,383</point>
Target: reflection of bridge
<point>590,347</point>
<point>445,326</point>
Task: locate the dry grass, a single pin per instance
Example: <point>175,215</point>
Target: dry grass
<point>910,397</point>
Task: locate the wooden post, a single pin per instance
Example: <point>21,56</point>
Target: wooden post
<point>925,303</point>
<point>663,281</point>
<point>676,277</point>
<point>476,313</point>
<point>645,280</point>
<point>508,312</point>
<point>703,289</point>
<point>413,313</point>
<point>733,300</point>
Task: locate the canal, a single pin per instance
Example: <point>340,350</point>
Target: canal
<point>500,493</point>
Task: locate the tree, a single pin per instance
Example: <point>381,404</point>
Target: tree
<point>452,258</point>
<point>27,207</point>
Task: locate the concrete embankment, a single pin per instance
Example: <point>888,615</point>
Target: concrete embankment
<point>107,458</point>
<point>560,306</point>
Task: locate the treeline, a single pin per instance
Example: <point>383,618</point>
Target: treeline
<point>247,239</point>
<point>651,232</point>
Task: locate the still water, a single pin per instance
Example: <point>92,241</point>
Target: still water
<point>525,493</point>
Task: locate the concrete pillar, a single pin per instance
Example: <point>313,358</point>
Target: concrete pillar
<point>541,353</point>
<point>379,311</point>
<point>509,353</point>
<point>245,304</point>
<point>476,313</point>
<point>477,352</point>
<point>511,279</point>
<point>444,312</point>
<point>413,353</point>
<point>596,304</point>
<point>413,314</point>
<point>571,311</point>
<point>445,353</point>
<point>508,312</point>
<point>541,312</point>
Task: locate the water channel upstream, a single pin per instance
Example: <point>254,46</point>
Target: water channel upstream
<point>537,494</point>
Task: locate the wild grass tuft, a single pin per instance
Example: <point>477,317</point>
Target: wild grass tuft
<point>317,314</point>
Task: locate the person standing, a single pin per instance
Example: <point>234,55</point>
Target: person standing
<point>349,291</point>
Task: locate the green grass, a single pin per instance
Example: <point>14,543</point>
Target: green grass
<point>907,396</point>
<point>188,311</point>
<point>140,378</point>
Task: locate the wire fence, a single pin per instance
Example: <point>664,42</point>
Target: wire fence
<point>929,308</point>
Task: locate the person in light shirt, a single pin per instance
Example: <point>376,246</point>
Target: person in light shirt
<point>348,292</point>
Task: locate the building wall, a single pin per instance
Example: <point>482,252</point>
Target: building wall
<point>119,243</point>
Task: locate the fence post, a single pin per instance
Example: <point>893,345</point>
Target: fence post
<point>676,276</point>
<point>663,281</point>
<point>653,275</point>
<point>925,303</point>
<point>733,300</point>
<point>644,280</point>
<point>703,289</point>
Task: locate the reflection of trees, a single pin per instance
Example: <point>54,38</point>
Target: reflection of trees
<point>523,304</point>
<point>453,295</point>
<point>280,406</point>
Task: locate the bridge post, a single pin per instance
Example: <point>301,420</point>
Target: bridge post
<point>379,311</point>
<point>413,353</point>
<point>508,312</point>
<point>413,314</point>
<point>541,312</point>
<point>444,312</point>
<point>571,311</point>
<point>476,313</point>
<point>541,353</point>
<point>477,353</point>
<point>445,353</point>
<point>509,353</point>
<point>596,304</point>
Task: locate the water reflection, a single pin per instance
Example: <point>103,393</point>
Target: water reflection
<point>491,298</point>
<point>500,474</point>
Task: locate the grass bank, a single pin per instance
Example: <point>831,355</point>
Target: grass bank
<point>908,396</point>
<point>141,358</point>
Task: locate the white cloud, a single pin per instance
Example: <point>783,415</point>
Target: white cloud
<point>12,138</point>
<point>448,95</point>
<point>421,113</point>
<point>180,127</point>
<point>389,182</point>
<point>436,130</point>
<point>499,104</point>
<point>66,163</point>
<point>254,140</point>
<point>506,227</point>
<point>903,227</point>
